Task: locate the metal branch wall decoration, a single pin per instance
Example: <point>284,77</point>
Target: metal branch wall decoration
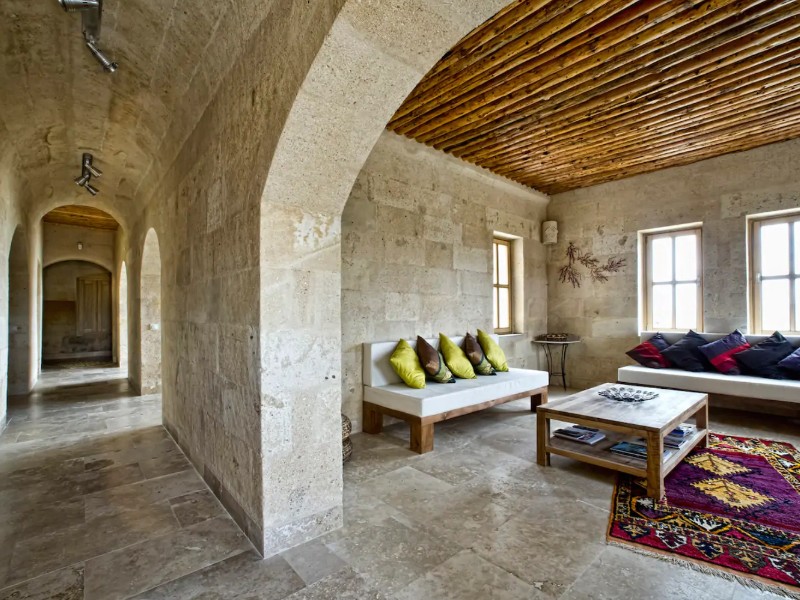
<point>569,273</point>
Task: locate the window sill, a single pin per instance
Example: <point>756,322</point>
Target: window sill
<point>511,336</point>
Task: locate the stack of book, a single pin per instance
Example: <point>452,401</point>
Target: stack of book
<point>636,449</point>
<point>579,433</point>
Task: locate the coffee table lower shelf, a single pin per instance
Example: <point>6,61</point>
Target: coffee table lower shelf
<point>600,455</point>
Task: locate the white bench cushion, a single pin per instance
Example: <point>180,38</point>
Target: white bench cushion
<point>437,398</point>
<point>743,386</point>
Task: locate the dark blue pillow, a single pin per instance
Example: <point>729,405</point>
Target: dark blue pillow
<point>684,353</point>
<point>762,359</point>
<point>791,364</point>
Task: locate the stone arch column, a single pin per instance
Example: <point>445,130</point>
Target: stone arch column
<point>122,317</point>
<point>372,58</point>
<point>150,315</point>
<point>19,313</point>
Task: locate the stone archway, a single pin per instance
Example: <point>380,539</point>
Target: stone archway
<point>19,313</point>
<point>372,58</point>
<point>122,317</point>
<point>150,315</point>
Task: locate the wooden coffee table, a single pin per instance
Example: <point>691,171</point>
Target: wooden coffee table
<point>652,420</point>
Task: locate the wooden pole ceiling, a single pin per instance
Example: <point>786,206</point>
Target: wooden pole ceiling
<point>562,94</point>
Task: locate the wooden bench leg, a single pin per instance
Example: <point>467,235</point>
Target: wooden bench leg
<point>421,436</point>
<point>373,420</point>
<point>538,399</point>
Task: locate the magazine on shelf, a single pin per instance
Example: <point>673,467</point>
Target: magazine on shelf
<point>636,450</point>
<point>578,433</point>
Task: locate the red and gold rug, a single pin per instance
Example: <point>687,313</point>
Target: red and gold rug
<point>734,505</point>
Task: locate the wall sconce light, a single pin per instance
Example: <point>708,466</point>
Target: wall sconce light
<point>91,16</point>
<point>80,245</point>
<point>88,170</point>
<point>549,232</point>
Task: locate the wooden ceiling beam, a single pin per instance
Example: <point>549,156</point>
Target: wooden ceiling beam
<point>518,39</point>
<point>686,158</point>
<point>760,75</point>
<point>659,138</point>
<point>631,86</point>
<point>561,94</point>
<point>727,135</point>
<point>595,28</point>
<point>553,68</point>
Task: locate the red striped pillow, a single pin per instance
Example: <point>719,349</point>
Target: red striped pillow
<point>720,353</point>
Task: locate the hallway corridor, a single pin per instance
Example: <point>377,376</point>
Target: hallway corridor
<point>97,498</point>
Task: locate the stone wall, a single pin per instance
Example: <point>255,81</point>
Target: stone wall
<point>605,219</point>
<point>205,210</point>
<point>12,193</point>
<point>417,254</point>
<point>61,243</point>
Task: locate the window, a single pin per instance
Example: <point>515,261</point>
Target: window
<point>673,293</point>
<point>775,272</point>
<point>501,254</point>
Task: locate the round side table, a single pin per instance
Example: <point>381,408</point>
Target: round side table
<point>552,345</point>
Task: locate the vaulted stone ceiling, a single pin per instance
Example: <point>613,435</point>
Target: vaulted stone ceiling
<point>58,102</point>
<point>562,94</point>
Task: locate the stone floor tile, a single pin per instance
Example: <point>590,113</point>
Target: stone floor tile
<point>464,464</point>
<point>403,483</point>
<point>390,554</point>
<point>466,576</point>
<point>344,585</point>
<point>53,550</point>
<point>171,461</point>
<point>313,561</point>
<point>621,573</point>
<point>196,507</point>
<point>141,494</point>
<point>245,576</point>
<point>549,545</point>
<point>64,584</point>
<point>457,515</point>
<point>157,560</point>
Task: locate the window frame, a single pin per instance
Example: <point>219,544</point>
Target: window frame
<point>647,292</point>
<point>755,278</point>
<point>496,286</point>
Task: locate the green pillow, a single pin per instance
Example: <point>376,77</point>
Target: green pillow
<point>406,364</point>
<point>455,358</point>
<point>493,351</point>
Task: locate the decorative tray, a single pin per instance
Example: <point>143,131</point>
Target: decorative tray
<point>627,394</point>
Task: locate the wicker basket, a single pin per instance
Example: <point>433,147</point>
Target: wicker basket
<point>347,450</point>
<point>347,445</point>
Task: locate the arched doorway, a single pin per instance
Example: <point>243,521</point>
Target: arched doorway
<point>122,295</point>
<point>76,320</point>
<point>372,58</point>
<point>151,315</point>
<point>19,324</point>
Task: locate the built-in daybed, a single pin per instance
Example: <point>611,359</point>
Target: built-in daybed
<point>775,396</point>
<point>386,394</point>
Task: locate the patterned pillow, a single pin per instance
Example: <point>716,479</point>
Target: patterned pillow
<point>791,364</point>
<point>433,362</point>
<point>476,356</point>
<point>720,353</point>
<point>762,359</point>
<point>684,353</point>
<point>648,354</point>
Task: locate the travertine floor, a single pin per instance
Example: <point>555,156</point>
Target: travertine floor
<point>97,502</point>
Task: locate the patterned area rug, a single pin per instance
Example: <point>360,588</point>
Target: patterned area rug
<point>734,505</point>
